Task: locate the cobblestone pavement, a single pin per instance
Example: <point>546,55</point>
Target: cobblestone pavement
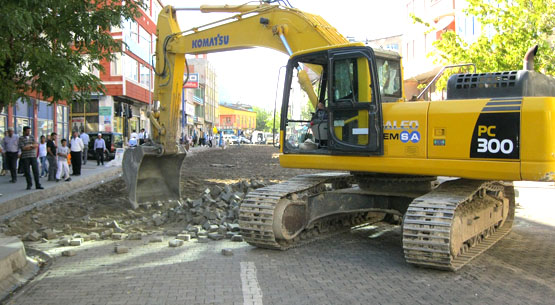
<point>364,266</point>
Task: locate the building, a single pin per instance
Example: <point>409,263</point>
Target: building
<point>200,97</point>
<point>42,116</point>
<point>392,43</point>
<point>128,80</point>
<point>237,117</point>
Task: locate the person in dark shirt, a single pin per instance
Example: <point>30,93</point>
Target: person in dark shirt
<point>52,157</point>
<point>28,147</point>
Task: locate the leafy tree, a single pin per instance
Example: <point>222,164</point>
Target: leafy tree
<point>44,43</point>
<point>261,118</point>
<point>508,29</point>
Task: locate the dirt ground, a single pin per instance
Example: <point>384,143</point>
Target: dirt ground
<point>95,209</point>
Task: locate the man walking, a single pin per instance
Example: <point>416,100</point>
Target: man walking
<point>85,138</point>
<point>28,147</point>
<point>99,148</point>
<point>10,145</point>
<point>52,157</point>
<point>76,146</point>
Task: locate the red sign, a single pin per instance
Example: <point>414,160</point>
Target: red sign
<point>192,82</point>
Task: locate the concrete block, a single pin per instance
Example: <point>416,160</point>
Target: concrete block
<point>135,236</point>
<point>94,236</point>
<point>175,243</point>
<point>156,239</point>
<point>69,253</point>
<point>121,249</point>
<point>118,236</point>
<point>202,239</point>
<point>34,236</point>
<point>227,252</point>
<point>76,242</point>
<point>237,238</point>
<point>234,227</point>
<point>215,236</point>
<point>49,234</point>
<point>64,241</point>
<point>229,235</point>
<point>213,228</point>
<point>184,237</point>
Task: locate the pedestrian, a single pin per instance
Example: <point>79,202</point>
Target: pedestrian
<point>239,137</point>
<point>99,148</point>
<point>134,134</point>
<point>42,156</point>
<point>76,146</point>
<point>222,142</point>
<point>194,137</point>
<point>10,146</point>
<point>4,158</point>
<point>28,147</point>
<point>133,141</point>
<point>52,157</point>
<point>63,167</point>
<point>85,138</point>
<point>142,136</point>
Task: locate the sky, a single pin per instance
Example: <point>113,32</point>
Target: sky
<point>251,76</point>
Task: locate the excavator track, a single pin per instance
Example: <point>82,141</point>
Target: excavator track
<point>429,226</point>
<point>256,215</point>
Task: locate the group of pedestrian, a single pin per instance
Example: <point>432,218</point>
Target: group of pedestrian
<point>23,152</point>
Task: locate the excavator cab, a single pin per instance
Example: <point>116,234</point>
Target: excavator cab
<point>352,122</point>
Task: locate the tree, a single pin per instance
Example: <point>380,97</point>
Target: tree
<point>508,29</point>
<point>261,118</point>
<point>44,43</point>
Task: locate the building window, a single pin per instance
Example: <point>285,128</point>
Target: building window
<point>131,68</point>
<point>145,76</point>
<point>23,115</point>
<point>115,65</point>
<point>45,119</point>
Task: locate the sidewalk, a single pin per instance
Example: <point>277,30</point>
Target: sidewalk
<point>16,196</point>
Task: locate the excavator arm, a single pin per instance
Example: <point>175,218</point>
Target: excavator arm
<point>152,171</point>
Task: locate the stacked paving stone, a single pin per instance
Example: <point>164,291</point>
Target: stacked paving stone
<point>213,216</point>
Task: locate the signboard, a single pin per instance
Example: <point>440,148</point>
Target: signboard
<point>192,82</point>
<point>105,110</point>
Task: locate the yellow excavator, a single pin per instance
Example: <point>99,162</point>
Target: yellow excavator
<point>387,153</point>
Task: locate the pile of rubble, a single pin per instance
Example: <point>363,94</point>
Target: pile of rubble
<point>213,216</point>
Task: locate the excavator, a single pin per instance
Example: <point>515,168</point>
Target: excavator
<point>444,169</point>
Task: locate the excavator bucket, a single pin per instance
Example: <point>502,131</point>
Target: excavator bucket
<point>150,176</point>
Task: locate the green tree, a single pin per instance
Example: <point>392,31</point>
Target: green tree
<point>44,43</point>
<point>261,118</point>
<point>508,29</point>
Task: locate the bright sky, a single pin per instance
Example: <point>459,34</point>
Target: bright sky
<point>250,76</point>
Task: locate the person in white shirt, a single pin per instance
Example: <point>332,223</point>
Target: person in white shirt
<point>99,148</point>
<point>142,136</point>
<point>85,138</point>
<point>63,168</point>
<point>134,134</point>
<point>76,146</point>
<point>42,157</point>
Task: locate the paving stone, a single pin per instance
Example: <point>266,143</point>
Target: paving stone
<point>237,238</point>
<point>175,243</point>
<point>34,236</point>
<point>213,228</point>
<point>64,241</point>
<point>94,236</point>
<point>76,242</point>
<point>234,227</point>
<point>69,253</point>
<point>135,236</point>
<point>121,249</point>
<point>227,252</point>
<point>215,236</point>
<point>202,239</point>
<point>229,235</point>
<point>156,239</point>
<point>184,237</point>
<point>49,234</point>
<point>118,236</point>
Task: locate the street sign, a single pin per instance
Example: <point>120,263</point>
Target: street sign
<point>192,82</point>
<point>105,110</point>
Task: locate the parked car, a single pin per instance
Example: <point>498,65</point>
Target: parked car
<point>233,140</point>
<point>113,141</point>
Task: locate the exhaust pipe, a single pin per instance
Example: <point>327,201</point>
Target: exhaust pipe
<point>528,62</point>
